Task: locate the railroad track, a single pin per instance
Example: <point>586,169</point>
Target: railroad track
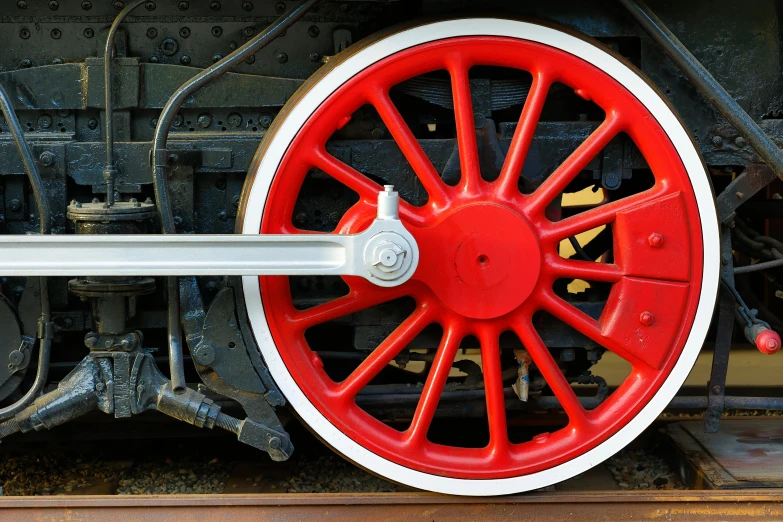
<point>692,506</point>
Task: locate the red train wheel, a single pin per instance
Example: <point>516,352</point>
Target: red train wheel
<point>489,256</point>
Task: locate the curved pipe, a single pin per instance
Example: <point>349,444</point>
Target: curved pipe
<point>44,216</point>
<point>110,171</point>
<point>205,77</point>
<point>160,160</point>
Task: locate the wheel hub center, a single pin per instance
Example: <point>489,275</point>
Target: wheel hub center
<point>482,261</point>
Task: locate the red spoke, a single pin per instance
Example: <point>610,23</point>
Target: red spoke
<point>363,295</point>
<point>549,369</point>
<point>386,351</point>
<point>433,388</point>
<point>523,135</point>
<point>348,176</point>
<point>470,170</point>
<point>493,388</point>
<point>574,164</point>
<point>600,215</point>
<point>586,270</point>
<point>583,323</point>
<point>410,147</point>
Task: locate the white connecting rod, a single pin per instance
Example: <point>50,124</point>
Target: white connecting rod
<point>385,254</point>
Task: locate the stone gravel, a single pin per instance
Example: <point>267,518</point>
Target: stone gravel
<point>169,477</point>
<point>332,474</point>
<point>641,469</point>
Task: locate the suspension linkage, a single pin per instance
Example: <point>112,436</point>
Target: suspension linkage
<point>385,254</point>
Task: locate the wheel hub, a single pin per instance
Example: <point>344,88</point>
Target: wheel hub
<point>482,261</point>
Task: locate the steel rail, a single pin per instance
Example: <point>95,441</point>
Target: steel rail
<point>691,506</point>
<point>707,84</point>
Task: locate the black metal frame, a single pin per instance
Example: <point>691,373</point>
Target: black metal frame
<point>737,193</point>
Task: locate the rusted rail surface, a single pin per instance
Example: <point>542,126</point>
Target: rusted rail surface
<point>692,506</point>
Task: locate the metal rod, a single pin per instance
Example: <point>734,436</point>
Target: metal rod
<point>759,266</point>
<point>44,216</point>
<point>205,77</point>
<point>400,396</point>
<point>181,255</point>
<point>176,357</point>
<point>160,155</point>
<point>707,84</point>
<point>110,171</point>
<point>27,160</point>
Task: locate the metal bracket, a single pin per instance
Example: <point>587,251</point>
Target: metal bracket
<point>755,178</point>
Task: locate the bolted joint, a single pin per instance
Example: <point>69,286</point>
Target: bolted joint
<point>159,158</point>
<point>388,256</point>
<point>277,444</point>
<point>188,406</point>
<point>110,172</point>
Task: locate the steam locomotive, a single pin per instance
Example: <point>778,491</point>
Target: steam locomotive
<point>392,217</point>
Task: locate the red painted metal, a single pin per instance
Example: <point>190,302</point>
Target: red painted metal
<point>489,259</point>
<point>768,342</point>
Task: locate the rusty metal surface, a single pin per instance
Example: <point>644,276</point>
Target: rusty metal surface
<point>557,506</point>
<point>743,454</point>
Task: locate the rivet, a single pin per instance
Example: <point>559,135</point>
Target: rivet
<point>656,240</point>
<point>646,318</point>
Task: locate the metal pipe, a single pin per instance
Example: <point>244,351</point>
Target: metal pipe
<point>707,84</point>
<point>402,395</point>
<point>160,162</point>
<point>28,161</point>
<point>110,170</point>
<point>176,358</point>
<point>775,263</point>
<point>44,216</point>
<point>205,77</point>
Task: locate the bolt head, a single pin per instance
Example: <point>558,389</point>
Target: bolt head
<point>717,141</point>
<point>99,387</point>
<point>16,357</point>
<point>90,341</point>
<point>47,159</point>
<point>282,58</point>
<point>388,256</point>
<point>274,442</point>
<point>656,240</point>
<point>646,318</point>
<point>740,142</point>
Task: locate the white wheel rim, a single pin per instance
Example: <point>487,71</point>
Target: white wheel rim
<point>275,150</point>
